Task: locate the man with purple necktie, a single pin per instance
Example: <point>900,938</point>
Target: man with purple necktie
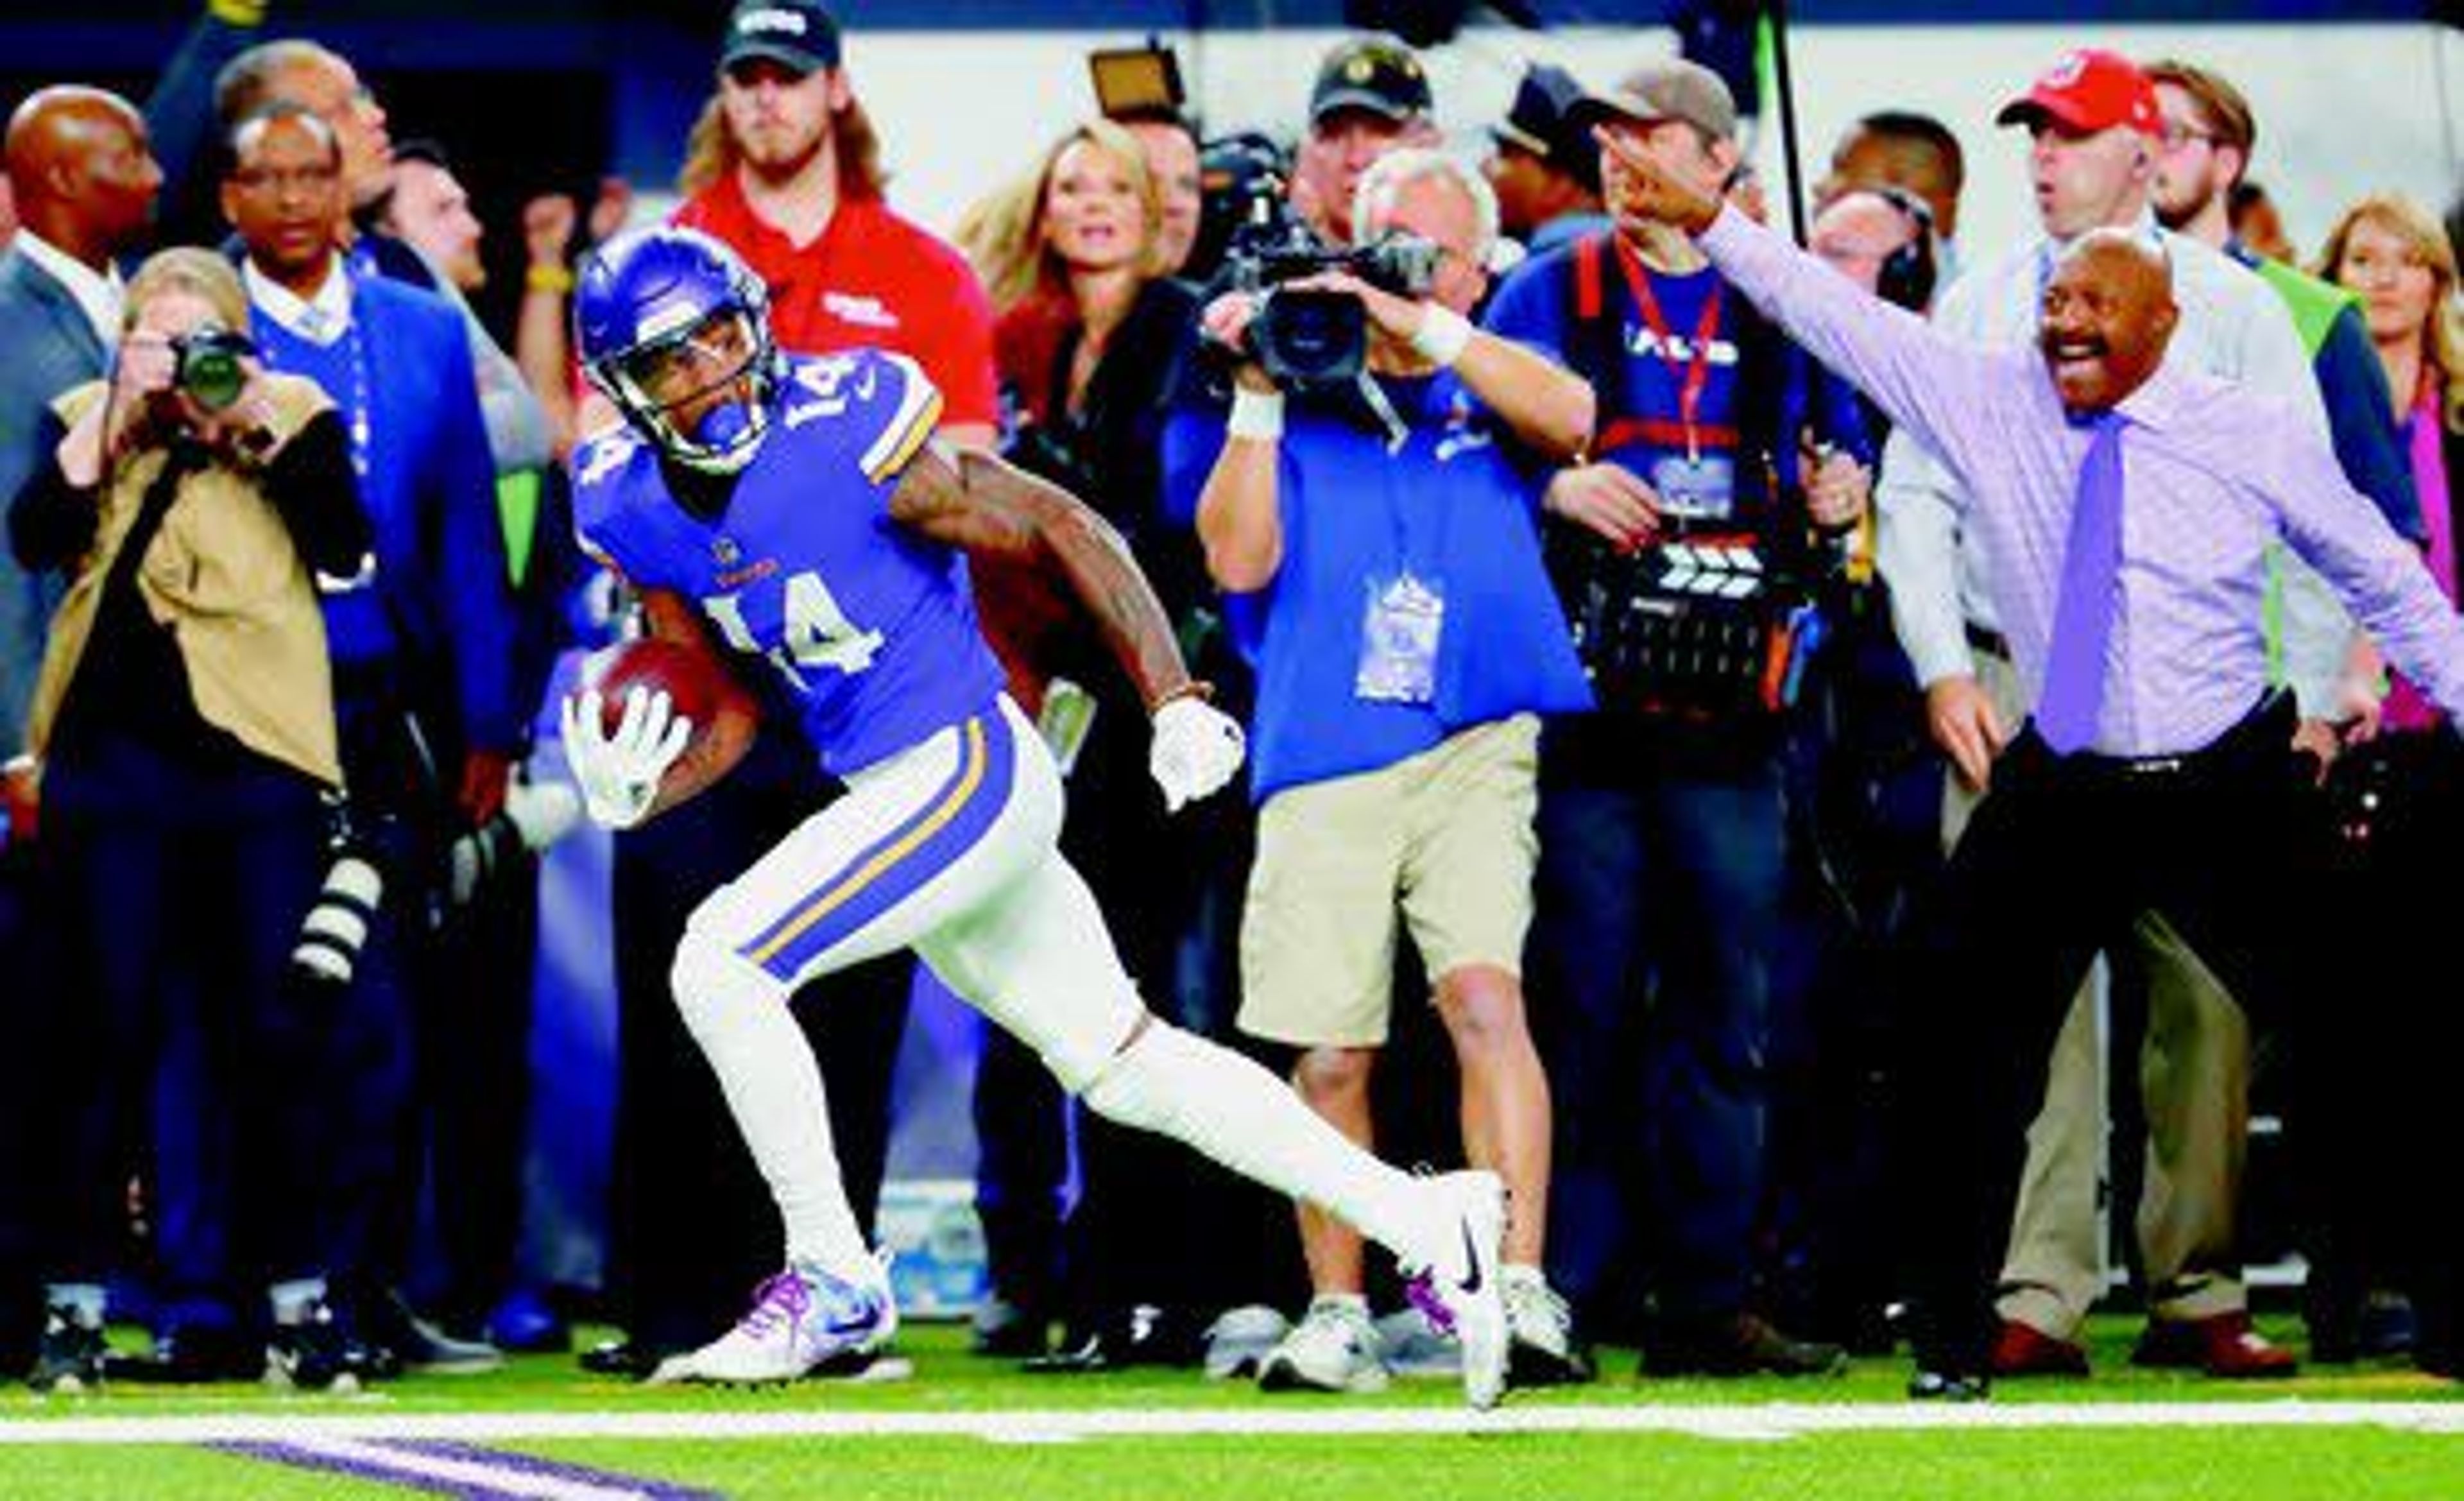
<point>2125,505</point>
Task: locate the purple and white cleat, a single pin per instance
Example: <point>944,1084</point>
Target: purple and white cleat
<point>800,1319</point>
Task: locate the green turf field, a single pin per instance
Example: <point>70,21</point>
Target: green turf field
<point>990,1434</point>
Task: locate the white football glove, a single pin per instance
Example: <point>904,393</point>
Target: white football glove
<point>1197,749</point>
<point>619,773</point>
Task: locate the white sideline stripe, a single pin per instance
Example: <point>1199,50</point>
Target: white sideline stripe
<point>468,1472</point>
<point>1736,1422</point>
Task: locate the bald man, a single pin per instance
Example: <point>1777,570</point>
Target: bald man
<point>83,185</point>
<point>2127,503</point>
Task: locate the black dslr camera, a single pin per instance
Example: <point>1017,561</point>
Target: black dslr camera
<point>205,363</point>
<point>1304,339</point>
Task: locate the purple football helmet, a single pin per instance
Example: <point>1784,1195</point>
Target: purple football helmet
<point>665,315</point>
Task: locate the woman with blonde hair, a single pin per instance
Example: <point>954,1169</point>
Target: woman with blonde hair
<point>1088,346</point>
<point>183,726</point>
<point>2401,804</point>
<point>2394,255</point>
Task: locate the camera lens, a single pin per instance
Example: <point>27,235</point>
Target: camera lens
<point>209,371</point>
<point>1312,338</point>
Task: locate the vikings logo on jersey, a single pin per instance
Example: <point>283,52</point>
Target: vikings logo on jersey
<point>804,567</point>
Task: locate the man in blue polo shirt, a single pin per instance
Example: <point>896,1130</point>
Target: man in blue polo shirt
<point>1384,574</point>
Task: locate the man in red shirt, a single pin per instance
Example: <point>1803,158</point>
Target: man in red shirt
<point>786,168</point>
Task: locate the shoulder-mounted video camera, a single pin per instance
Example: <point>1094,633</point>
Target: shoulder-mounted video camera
<point>1304,338</point>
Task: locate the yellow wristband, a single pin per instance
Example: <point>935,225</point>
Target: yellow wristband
<point>542,277</point>
<point>237,12</point>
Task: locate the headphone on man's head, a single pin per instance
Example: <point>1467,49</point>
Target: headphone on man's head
<point>1908,273</point>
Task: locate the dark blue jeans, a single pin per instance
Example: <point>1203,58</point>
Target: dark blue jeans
<point>172,878</point>
<point>1655,907</point>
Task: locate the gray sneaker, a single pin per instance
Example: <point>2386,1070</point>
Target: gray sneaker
<point>1332,1349</point>
<point>1239,1340</point>
<point>1410,1348</point>
<point>1541,1349</point>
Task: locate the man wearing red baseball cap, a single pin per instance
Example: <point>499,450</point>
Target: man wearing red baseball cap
<point>2089,90</point>
<point>2094,119</point>
<point>2094,123</point>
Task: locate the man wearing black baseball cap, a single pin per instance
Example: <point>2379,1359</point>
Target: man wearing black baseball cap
<point>797,35</point>
<point>1371,96</point>
<point>1546,171</point>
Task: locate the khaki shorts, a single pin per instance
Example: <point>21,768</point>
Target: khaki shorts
<point>1442,839</point>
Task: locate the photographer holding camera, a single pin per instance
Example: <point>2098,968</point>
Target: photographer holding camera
<point>1380,554</point>
<point>184,725</point>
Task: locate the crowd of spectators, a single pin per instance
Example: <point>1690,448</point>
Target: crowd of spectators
<point>1680,651</point>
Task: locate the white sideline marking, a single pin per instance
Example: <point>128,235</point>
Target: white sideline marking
<point>1778,1421</point>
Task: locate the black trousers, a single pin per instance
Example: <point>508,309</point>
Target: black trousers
<point>2232,845</point>
<point>160,871</point>
<point>2400,815</point>
<point>24,1015</point>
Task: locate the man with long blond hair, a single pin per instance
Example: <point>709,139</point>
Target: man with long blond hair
<point>785,167</point>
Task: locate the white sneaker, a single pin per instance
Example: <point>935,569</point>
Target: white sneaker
<point>1461,1289</point>
<point>1241,1338</point>
<point>800,1319</point>
<point>1332,1349</point>
<point>1541,1350</point>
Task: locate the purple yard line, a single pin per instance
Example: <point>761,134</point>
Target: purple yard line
<point>464,1470</point>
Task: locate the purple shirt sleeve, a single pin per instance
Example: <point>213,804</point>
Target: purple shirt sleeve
<point>1944,391</point>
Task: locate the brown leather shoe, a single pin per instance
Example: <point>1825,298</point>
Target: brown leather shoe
<point>2224,1346</point>
<point>2024,1350</point>
<point>1745,1344</point>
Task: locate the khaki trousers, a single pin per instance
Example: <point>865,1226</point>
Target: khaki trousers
<point>2194,1088</point>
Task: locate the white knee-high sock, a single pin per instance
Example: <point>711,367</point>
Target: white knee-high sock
<point>1240,1115</point>
<point>740,1016</point>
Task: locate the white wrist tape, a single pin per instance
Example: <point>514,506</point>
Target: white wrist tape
<point>1256,415</point>
<point>1442,336</point>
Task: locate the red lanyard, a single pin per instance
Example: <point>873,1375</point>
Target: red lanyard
<point>1697,373</point>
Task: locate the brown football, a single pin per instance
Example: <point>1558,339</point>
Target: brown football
<point>699,687</point>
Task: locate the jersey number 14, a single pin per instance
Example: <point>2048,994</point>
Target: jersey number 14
<point>816,632</point>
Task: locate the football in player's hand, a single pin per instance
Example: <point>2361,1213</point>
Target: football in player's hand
<point>699,688</point>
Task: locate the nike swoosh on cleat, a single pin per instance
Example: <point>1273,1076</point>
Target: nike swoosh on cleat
<point>1470,1285</point>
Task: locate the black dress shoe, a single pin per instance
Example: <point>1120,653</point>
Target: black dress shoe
<point>1142,1336</point>
<point>620,1359</point>
<point>190,1355</point>
<point>1948,1386</point>
<point>1008,1330</point>
<point>1743,1345</point>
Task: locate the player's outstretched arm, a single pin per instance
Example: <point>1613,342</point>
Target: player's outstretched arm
<point>977,502</point>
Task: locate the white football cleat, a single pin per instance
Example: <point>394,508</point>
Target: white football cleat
<point>800,1319</point>
<point>1334,1349</point>
<point>1460,1290</point>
